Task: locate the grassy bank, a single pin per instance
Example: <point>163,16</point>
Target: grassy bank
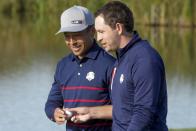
<point>155,12</point>
<point>194,129</point>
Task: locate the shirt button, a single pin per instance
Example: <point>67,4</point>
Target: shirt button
<point>80,65</point>
<point>78,73</point>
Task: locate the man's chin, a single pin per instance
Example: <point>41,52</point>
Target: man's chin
<point>107,49</point>
<point>76,53</point>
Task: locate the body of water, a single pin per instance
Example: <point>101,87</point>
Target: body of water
<point>28,56</point>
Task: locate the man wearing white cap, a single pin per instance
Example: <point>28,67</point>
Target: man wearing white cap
<point>81,78</point>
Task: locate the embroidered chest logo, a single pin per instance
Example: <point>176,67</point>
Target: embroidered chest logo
<point>121,78</point>
<point>90,76</point>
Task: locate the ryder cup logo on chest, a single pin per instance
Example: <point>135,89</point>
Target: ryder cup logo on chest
<point>121,78</point>
<point>90,76</point>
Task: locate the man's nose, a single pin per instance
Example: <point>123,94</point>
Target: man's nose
<point>71,40</point>
<point>99,39</point>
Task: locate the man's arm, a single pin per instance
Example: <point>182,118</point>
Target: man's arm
<point>55,99</point>
<point>148,80</point>
<point>101,112</point>
<point>53,102</point>
<point>83,114</point>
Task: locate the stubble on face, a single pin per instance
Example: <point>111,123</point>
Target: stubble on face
<point>78,43</point>
<point>106,36</point>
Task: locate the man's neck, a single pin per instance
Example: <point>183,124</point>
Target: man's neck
<point>125,39</point>
<point>90,45</point>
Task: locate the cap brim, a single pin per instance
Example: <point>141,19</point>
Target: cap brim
<point>72,29</point>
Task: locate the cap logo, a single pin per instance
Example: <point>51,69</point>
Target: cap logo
<point>76,21</point>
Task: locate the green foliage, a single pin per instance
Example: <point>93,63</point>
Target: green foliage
<point>153,12</point>
<point>182,130</point>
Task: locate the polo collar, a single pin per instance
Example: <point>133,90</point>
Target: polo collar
<point>122,51</point>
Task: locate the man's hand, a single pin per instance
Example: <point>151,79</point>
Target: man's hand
<point>59,116</point>
<point>82,114</point>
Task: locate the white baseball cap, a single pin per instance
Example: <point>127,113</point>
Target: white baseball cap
<point>75,19</point>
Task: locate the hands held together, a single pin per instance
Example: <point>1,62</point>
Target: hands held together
<point>76,115</point>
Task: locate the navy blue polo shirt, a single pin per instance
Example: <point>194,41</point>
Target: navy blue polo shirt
<point>139,95</point>
<point>82,82</point>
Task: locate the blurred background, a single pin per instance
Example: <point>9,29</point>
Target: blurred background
<point>29,51</point>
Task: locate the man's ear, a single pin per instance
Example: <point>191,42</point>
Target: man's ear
<point>92,31</point>
<point>119,28</point>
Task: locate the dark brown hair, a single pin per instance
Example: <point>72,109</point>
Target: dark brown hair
<point>117,12</point>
